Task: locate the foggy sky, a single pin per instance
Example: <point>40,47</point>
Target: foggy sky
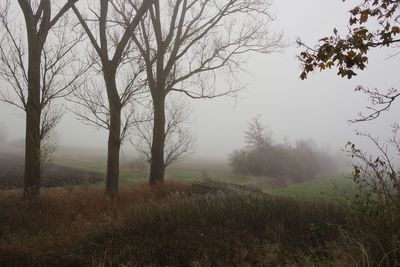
<point>317,108</point>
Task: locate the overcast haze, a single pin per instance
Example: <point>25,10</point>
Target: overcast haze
<point>317,108</point>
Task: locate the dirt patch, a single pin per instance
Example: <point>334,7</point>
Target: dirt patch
<point>12,174</point>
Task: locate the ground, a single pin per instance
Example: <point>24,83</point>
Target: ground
<point>200,217</point>
<point>12,174</point>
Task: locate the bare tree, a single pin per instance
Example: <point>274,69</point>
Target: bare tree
<point>112,38</point>
<point>257,135</point>
<point>36,62</point>
<point>380,101</point>
<point>179,141</point>
<point>185,42</point>
<point>92,107</point>
<point>377,177</point>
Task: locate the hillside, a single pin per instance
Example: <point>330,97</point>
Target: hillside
<point>12,173</point>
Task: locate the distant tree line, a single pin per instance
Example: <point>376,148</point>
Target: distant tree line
<point>262,156</point>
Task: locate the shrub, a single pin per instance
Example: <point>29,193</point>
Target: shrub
<point>376,199</point>
<point>263,157</point>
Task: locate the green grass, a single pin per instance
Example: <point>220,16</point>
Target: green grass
<point>184,175</point>
<point>195,175</point>
<point>190,171</point>
<point>325,187</point>
<point>194,171</point>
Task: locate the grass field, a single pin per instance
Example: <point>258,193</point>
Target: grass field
<point>324,187</point>
<point>188,171</point>
<point>175,225</point>
<point>194,171</point>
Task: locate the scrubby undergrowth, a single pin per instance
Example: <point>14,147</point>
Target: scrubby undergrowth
<point>31,233</point>
<point>170,226</point>
<point>221,230</point>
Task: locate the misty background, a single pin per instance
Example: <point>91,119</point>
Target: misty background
<point>318,108</point>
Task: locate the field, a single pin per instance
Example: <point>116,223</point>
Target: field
<point>203,216</point>
<point>12,167</point>
<point>133,171</point>
<point>329,188</point>
<point>161,226</point>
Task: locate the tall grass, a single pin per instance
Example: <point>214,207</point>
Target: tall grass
<point>171,226</point>
<point>31,231</point>
<point>222,230</point>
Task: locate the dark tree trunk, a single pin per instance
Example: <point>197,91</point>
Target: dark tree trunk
<point>32,153</point>
<point>32,135</point>
<point>157,166</point>
<point>114,137</point>
<point>38,25</point>
<point>114,145</point>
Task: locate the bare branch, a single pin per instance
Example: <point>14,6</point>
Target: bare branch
<point>179,141</point>
<point>60,72</point>
<point>380,102</point>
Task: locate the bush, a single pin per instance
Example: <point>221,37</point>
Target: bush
<point>263,157</point>
<point>377,197</point>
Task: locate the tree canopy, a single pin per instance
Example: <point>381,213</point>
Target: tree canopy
<point>372,24</point>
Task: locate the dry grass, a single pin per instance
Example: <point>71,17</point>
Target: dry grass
<point>220,230</point>
<point>65,216</point>
<point>167,225</point>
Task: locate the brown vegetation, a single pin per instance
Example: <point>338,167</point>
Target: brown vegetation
<point>35,233</point>
<point>172,225</point>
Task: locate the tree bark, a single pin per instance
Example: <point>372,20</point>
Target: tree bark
<point>109,69</point>
<point>157,166</point>
<point>38,24</point>
<point>32,152</point>
<point>114,137</point>
<point>33,115</point>
<point>114,145</point>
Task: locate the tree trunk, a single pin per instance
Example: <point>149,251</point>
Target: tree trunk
<point>114,145</point>
<point>32,153</point>
<point>32,136</point>
<point>157,167</point>
<point>114,139</point>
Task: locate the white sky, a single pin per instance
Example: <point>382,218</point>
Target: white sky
<point>317,108</point>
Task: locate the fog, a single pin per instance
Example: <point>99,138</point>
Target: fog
<point>318,108</point>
